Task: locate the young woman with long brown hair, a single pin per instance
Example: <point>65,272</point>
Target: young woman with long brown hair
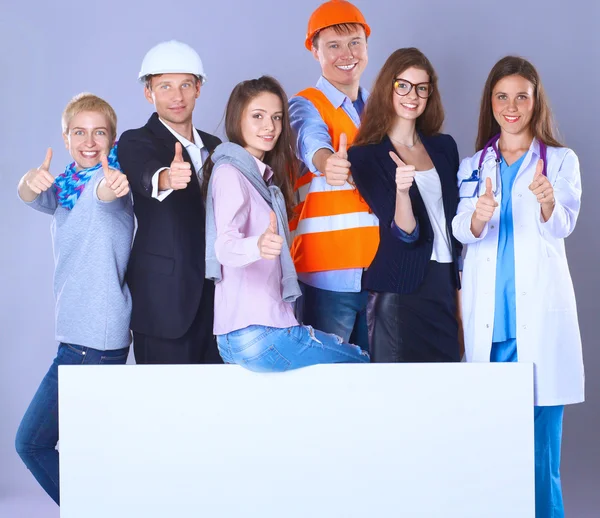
<point>406,171</point>
<point>248,186</point>
<point>520,197</point>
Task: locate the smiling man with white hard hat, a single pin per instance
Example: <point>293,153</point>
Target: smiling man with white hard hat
<point>172,303</point>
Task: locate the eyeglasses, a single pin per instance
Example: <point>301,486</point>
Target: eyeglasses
<point>404,87</point>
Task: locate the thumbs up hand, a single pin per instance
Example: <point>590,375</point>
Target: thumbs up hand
<point>180,172</point>
<point>343,147</point>
<point>486,204</point>
<point>270,242</point>
<point>541,186</point>
<point>115,180</point>
<point>39,179</point>
<point>337,167</point>
<point>405,174</point>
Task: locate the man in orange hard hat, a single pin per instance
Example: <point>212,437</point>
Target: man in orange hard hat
<point>335,234</point>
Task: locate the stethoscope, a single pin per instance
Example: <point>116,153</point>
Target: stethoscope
<point>493,143</point>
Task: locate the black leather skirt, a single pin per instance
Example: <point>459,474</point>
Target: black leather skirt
<point>419,326</point>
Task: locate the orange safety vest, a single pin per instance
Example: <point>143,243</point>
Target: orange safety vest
<point>333,227</point>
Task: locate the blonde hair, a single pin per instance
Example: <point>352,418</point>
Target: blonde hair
<point>87,102</point>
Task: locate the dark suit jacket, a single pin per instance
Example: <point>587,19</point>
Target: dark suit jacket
<point>400,266</point>
<point>166,268</point>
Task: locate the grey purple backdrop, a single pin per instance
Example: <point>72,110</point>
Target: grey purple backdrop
<point>54,50</point>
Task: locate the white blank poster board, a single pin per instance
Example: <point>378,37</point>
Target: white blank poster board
<point>329,441</point>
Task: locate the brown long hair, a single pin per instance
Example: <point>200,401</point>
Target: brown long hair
<point>542,122</point>
<point>282,158</point>
<point>379,114</point>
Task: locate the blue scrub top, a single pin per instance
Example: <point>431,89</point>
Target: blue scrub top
<point>505,315</point>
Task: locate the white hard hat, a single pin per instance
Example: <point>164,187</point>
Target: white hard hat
<point>172,57</point>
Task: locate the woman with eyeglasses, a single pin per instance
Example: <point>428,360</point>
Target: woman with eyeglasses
<point>406,169</point>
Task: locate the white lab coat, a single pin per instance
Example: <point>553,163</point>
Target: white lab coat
<point>547,326</point>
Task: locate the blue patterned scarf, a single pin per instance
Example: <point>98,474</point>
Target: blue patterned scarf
<point>71,183</point>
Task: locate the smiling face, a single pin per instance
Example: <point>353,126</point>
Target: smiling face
<point>174,96</point>
<point>410,106</point>
<point>343,57</point>
<point>261,123</point>
<point>513,104</point>
<point>87,138</point>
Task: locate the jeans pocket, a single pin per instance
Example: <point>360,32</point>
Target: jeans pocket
<point>70,354</point>
<point>268,360</point>
<point>120,359</point>
<point>242,339</point>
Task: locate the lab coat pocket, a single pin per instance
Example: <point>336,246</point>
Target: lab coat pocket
<point>560,295</point>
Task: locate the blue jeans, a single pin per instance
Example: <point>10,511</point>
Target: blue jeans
<point>273,349</point>
<point>340,313</point>
<point>38,433</point>
<point>547,426</point>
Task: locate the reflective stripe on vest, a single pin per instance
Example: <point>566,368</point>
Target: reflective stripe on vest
<point>334,228</point>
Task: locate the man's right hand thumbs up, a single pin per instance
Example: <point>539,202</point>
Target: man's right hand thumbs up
<point>270,243</point>
<point>40,179</point>
<point>337,167</point>
<point>343,147</point>
<point>180,172</point>
<point>486,204</point>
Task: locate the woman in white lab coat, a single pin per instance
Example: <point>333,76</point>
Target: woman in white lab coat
<point>519,199</point>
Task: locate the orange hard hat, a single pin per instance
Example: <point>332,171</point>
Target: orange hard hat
<point>333,12</point>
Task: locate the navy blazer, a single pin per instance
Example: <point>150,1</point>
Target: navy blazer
<point>166,268</point>
<point>400,266</point>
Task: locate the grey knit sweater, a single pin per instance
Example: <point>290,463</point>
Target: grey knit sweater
<point>91,246</point>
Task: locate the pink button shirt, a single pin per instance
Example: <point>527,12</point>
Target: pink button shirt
<point>250,291</point>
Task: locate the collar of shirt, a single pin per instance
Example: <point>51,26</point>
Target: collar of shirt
<point>185,142</point>
<point>535,147</point>
<point>265,170</point>
<point>335,96</point>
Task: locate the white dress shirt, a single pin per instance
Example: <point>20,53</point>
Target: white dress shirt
<point>430,189</point>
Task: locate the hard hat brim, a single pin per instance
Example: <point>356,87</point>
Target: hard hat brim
<point>309,37</point>
<point>142,76</point>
